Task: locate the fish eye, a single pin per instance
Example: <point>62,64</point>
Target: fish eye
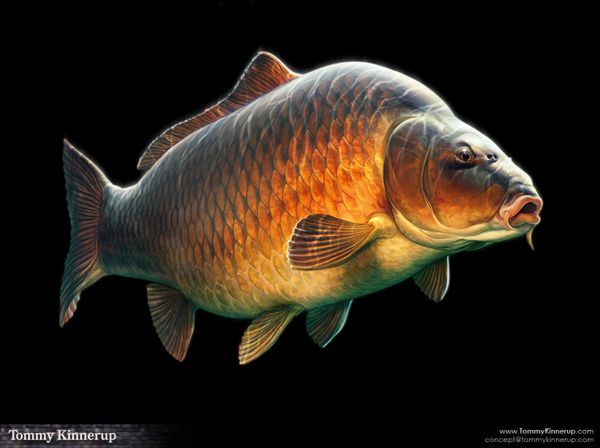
<point>465,154</point>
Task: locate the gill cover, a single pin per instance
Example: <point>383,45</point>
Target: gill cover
<point>407,152</point>
<point>437,199</point>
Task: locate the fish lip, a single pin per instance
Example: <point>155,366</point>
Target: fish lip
<point>512,215</point>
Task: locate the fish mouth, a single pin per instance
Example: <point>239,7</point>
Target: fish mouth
<point>524,210</point>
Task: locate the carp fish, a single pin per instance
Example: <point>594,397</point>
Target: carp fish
<point>295,193</point>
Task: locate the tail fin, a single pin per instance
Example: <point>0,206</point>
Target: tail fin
<point>85,185</point>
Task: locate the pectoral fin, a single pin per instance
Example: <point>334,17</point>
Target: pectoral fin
<point>263,332</point>
<point>173,317</point>
<point>324,323</point>
<point>434,279</point>
<point>323,241</point>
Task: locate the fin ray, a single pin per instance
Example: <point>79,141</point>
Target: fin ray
<point>173,317</point>
<point>324,323</point>
<point>323,241</point>
<point>85,185</point>
<point>263,332</point>
<point>264,73</point>
<point>434,280</point>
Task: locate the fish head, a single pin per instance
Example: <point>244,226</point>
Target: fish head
<point>452,187</point>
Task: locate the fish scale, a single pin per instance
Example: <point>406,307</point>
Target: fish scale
<point>295,192</point>
<point>223,259</point>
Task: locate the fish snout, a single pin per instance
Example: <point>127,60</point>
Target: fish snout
<point>522,207</point>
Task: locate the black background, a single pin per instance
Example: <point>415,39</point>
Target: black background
<point>511,344</point>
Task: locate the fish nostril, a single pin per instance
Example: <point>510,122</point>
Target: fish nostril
<point>521,189</point>
<point>492,157</point>
<point>528,192</point>
<point>525,189</point>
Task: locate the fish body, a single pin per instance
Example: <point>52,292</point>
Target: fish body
<point>295,193</point>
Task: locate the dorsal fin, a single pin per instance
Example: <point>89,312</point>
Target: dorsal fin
<point>264,73</point>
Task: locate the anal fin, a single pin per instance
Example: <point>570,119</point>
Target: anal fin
<point>434,280</point>
<point>173,317</point>
<point>263,332</point>
<point>325,322</point>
